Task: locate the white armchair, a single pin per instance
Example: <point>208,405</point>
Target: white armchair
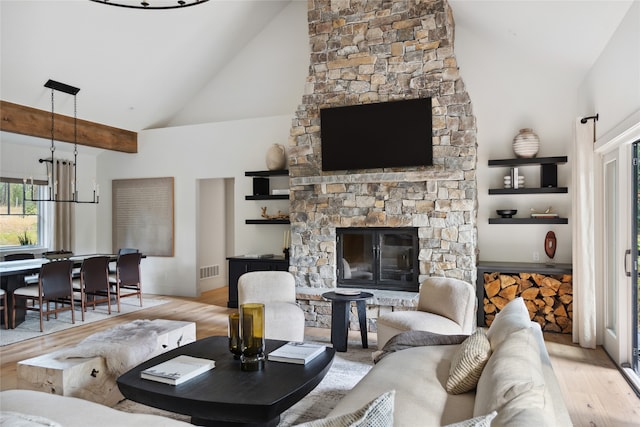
<point>445,306</point>
<point>284,319</point>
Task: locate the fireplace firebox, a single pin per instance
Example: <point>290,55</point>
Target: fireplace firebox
<point>378,258</point>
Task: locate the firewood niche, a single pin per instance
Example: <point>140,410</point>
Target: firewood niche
<point>548,295</point>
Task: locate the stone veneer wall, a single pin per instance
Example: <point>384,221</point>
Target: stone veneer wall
<point>377,51</point>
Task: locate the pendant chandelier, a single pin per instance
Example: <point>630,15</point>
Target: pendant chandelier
<point>151,4</point>
<point>52,193</point>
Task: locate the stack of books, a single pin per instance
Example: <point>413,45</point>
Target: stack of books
<point>514,180</point>
<point>296,352</point>
<point>178,370</point>
<point>544,215</point>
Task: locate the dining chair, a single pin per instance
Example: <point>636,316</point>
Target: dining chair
<point>127,277</point>
<point>122,251</point>
<point>3,294</point>
<point>31,279</point>
<point>93,282</point>
<point>54,285</point>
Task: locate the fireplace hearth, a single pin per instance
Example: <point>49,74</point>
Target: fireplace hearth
<point>377,258</point>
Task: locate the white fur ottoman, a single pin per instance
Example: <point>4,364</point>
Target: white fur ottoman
<point>89,370</point>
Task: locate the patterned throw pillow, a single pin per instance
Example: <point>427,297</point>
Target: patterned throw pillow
<point>468,362</point>
<point>377,413</point>
<point>482,421</point>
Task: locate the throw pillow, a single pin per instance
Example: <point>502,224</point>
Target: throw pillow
<point>481,421</point>
<point>467,363</point>
<point>513,317</point>
<point>513,376</point>
<point>377,413</point>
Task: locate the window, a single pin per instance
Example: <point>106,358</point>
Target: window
<point>20,220</point>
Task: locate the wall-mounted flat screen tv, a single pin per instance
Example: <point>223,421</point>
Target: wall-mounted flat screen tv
<point>381,135</point>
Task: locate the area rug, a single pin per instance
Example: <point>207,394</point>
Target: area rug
<point>347,369</point>
<point>30,328</point>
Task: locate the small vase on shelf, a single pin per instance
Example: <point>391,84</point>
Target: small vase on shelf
<point>276,157</point>
<point>526,143</point>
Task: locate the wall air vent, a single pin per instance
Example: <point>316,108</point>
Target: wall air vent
<point>209,271</point>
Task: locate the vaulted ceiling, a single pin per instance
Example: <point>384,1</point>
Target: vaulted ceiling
<point>138,69</point>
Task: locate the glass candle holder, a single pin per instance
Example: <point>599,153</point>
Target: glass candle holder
<point>235,345</point>
<point>252,336</point>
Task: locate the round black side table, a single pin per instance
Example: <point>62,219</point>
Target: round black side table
<point>340,309</point>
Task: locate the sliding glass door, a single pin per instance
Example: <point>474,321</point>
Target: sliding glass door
<point>619,253</point>
<point>613,277</point>
<point>634,257</point>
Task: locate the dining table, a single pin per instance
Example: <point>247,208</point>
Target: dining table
<point>12,274</point>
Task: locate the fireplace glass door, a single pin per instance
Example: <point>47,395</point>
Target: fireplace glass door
<point>378,258</point>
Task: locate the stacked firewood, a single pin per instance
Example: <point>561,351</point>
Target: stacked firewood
<point>549,299</point>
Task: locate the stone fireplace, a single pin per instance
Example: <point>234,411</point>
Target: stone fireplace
<point>377,51</point>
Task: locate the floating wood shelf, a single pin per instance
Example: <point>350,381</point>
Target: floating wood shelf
<point>528,220</point>
<point>532,161</point>
<point>267,221</point>
<point>536,190</point>
<point>268,173</point>
<point>268,197</point>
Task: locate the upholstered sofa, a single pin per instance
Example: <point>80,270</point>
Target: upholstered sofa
<point>36,408</point>
<point>515,381</point>
<point>506,369</point>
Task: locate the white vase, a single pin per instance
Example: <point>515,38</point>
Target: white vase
<point>276,157</point>
<point>526,143</point>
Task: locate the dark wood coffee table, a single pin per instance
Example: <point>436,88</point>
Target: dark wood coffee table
<point>227,396</point>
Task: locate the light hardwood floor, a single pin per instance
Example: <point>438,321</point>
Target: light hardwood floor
<point>594,391</point>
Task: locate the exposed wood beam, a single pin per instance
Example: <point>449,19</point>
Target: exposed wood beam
<point>33,122</point>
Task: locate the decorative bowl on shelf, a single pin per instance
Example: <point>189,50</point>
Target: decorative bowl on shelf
<point>506,213</point>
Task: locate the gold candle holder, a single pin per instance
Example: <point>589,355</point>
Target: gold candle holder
<point>252,336</point>
<point>235,345</point>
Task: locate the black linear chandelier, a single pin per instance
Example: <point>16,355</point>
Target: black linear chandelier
<point>52,193</point>
<point>151,4</point>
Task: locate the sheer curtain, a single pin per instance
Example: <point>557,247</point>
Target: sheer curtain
<point>64,213</point>
<point>583,228</point>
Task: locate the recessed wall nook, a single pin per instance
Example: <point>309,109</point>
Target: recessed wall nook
<point>369,52</point>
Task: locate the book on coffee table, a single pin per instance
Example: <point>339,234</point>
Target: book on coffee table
<point>296,352</point>
<point>178,370</point>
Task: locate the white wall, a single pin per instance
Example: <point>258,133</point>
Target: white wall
<point>510,92</point>
<point>612,86</point>
<point>258,82</point>
<point>190,154</point>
